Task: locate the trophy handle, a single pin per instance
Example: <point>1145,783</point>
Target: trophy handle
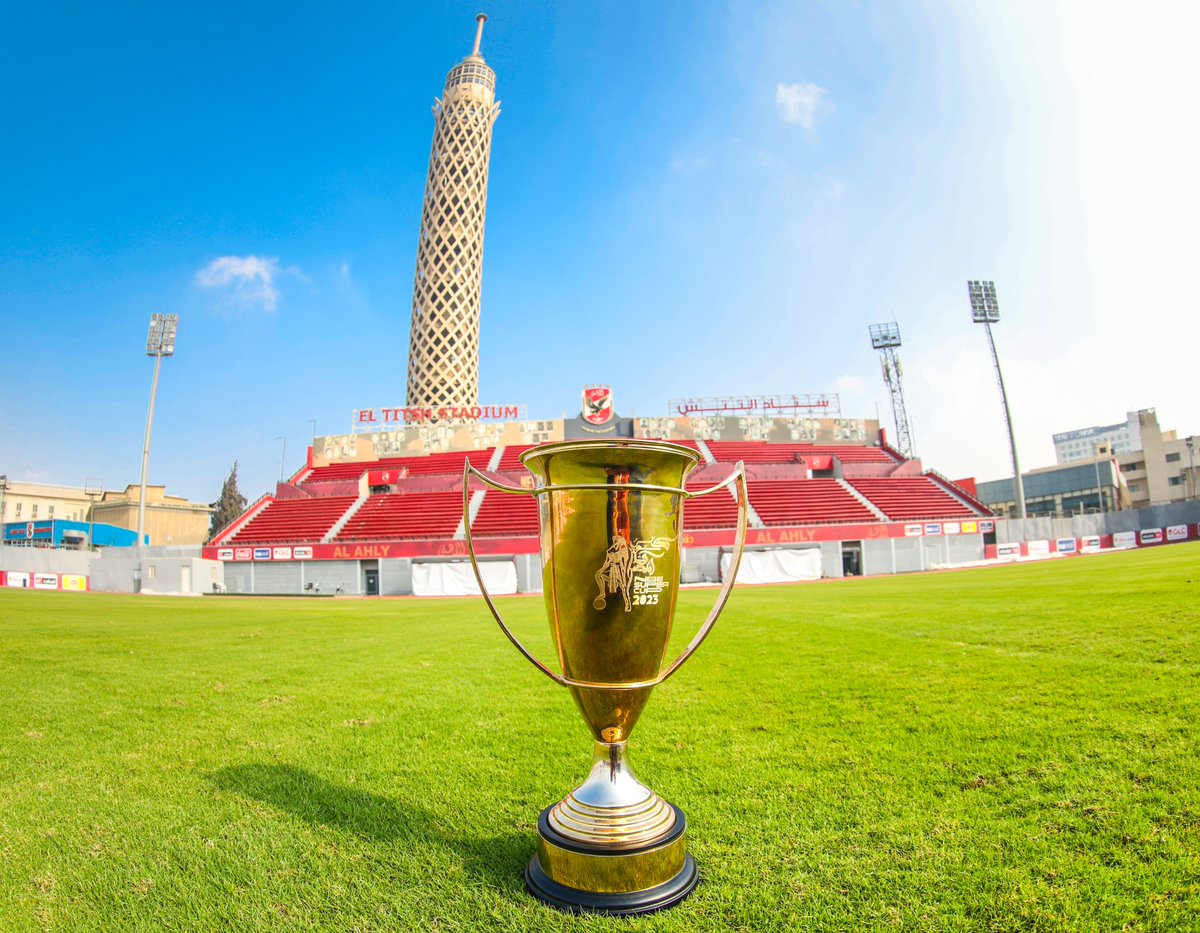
<point>469,471</point>
<point>738,476</point>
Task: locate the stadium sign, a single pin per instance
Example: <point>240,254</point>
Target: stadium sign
<point>822,405</point>
<point>1177,532</point>
<point>372,418</point>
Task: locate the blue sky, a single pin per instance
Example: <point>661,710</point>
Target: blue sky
<point>685,199</point>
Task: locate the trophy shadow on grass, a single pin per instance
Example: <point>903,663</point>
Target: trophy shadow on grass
<point>500,860</point>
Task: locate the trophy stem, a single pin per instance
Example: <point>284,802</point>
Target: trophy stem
<point>612,846</point>
<point>612,807</point>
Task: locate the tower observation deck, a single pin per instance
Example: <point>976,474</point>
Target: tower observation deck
<point>443,349</point>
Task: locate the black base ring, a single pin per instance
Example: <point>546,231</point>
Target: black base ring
<point>660,897</point>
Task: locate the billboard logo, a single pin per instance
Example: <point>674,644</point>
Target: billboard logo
<point>262,553</point>
<point>933,528</point>
<point>1089,544</point>
<point>242,553</point>
<point>913,531</point>
<point>224,553</point>
<point>1125,539</point>
<point>45,581</point>
<point>74,582</point>
<point>987,526</point>
<point>1177,532</point>
<point>1150,536</point>
<point>281,553</point>
<point>970,528</point>
<point>951,528</point>
<point>1066,545</point>
<point>302,553</point>
<point>1008,550</point>
<point>17,579</point>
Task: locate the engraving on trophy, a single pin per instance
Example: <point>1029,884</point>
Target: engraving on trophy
<point>629,566</point>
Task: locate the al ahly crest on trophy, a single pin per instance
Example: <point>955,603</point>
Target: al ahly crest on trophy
<point>597,404</point>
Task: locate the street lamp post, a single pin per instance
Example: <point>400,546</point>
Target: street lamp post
<point>3,490</point>
<point>160,342</point>
<point>985,311</point>
<point>1191,446</point>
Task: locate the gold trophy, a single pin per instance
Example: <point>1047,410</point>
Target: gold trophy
<point>611,518</point>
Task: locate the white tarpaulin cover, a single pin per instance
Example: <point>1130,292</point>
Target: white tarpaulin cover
<point>456,578</point>
<point>777,566</point>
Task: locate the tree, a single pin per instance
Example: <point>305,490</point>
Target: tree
<point>229,505</point>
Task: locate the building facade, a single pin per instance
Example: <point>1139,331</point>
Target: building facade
<point>1074,489</point>
<point>32,502</point>
<point>170,520</point>
<point>443,350</point>
<point>1152,467</point>
<point>1080,445</point>
<point>1164,469</point>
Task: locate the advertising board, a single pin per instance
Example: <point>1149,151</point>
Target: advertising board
<point>1089,544</point>
<point>1150,536</point>
<point>45,581</point>
<point>1125,539</point>
<point>1039,548</point>
<point>18,579</point>
<point>1066,545</point>
<point>1177,532</point>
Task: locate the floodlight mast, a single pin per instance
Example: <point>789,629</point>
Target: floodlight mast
<point>160,342</point>
<point>986,311</point>
<point>886,338</point>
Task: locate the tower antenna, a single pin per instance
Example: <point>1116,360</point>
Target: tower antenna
<point>480,18</point>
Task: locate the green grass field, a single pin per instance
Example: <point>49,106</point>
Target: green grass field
<point>1004,749</point>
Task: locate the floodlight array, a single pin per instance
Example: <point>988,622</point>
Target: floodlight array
<point>984,308</point>
<point>160,341</point>
<point>885,335</point>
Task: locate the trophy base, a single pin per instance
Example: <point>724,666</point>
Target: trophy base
<point>583,878</point>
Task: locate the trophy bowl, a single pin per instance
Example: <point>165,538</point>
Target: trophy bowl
<point>611,522</point>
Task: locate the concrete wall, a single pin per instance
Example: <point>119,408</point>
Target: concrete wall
<point>1044,529</point>
<point>295,577</point>
<point>45,560</point>
<point>162,575</point>
<point>908,555</point>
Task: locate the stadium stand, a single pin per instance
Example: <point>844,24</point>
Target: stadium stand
<point>763,452</point>
<point>912,497</point>
<point>506,514</point>
<point>293,521</point>
<point>427,500</point>
<point>806,502</point>
<point>401,515</point>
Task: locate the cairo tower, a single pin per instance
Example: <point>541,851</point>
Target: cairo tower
<point>443,346</point>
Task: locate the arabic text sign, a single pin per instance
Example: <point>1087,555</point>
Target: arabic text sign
<point>820,404</point>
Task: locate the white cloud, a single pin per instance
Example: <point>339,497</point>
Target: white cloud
<point>798,103</point>
<point>250,280</point>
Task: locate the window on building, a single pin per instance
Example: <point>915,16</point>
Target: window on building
<point>18,510</point>
<point>1174,480</point>
<point>1173,458</point>
<point>1135,487</point>
<point>50,511</point>
<point>33,511</point>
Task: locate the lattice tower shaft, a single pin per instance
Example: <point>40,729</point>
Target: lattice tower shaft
<point>893,377</point>
<point>443,347</point>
